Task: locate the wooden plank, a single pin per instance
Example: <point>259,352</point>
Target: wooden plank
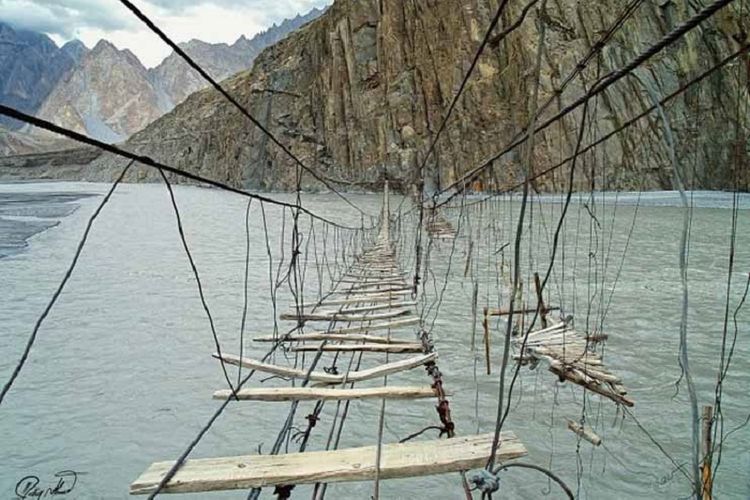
<point>326,394</point>
<point>384,291</point>
<point>392,348</point>
<point>354,299</point>
<point>354,376</point>
<point>358,309</point>
<point>337,337</point>
<point>411,459</point>
<point>388,325</point>
<point>344,316</point>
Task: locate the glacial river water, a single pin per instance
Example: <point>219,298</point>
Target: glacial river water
<point>121,374</point>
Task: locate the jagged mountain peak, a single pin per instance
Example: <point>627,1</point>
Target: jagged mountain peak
<point>32,65</point>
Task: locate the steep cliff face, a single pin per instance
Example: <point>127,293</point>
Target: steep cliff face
<point>365,86</point>
<point>31,67</point>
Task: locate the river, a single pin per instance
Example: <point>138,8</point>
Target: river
<point>121,374</point>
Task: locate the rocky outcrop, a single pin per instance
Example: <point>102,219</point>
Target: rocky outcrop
<point>32,65</point>
<point>364,87</point>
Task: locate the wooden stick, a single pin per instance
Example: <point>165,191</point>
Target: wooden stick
<point>706,474</point>
<point>324,394</point>
<point>486,325</point>
<point>336,337</point>
<point>392,348</point>
<point>585,432</point>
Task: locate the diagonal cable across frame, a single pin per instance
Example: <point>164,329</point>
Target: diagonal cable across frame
<point>153,27</point>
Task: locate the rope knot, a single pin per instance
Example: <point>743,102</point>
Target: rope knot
<point>312,419</point>
<point>485,481</point>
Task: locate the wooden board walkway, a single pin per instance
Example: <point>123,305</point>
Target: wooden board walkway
<point>415,458</point>
<point>374,301</point>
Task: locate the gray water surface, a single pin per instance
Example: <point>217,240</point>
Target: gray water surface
<point>121,374</point>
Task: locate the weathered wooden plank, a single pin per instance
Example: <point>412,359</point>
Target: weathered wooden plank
<point>354,376</point>
<point>585,432</point>
<point>359,309</point>
<point>388,325</point>
<point>336,337</point>
<point>392,348</point>
<point>326,394</point>
<point>355,299</point>
<point>341,316</point>
<point>382,291</point>
<point>415,458</point>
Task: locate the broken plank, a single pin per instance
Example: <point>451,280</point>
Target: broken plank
<point>412,459</point>
<point>354,376</point>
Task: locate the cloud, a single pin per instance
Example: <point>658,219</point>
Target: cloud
<point>66,17</point>
<point>208,20</point>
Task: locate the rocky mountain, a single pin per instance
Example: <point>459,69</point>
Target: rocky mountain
<point>32,65</point>
<point>365,86</point>
<point>109,95</point>
<point>175,80</point>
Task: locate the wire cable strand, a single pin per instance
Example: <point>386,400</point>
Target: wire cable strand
<point>150,162</point>
<point>61,286</point>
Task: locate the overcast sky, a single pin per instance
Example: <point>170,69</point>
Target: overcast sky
<point>208,20</point>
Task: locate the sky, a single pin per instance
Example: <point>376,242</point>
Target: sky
<point>208,20</point>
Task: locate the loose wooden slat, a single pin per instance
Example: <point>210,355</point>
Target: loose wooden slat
<point>282,371</point>
<point>359,299</point>
<point>361,309</point>
<point>388,325</point>
<point>337,337</point>
<point>325,394</point>
<point>342,316</point>
<point>392,348</point>
<point>585,432</point>
<point>415,458</point>
<point>383,291</point>
<point>354,376</point>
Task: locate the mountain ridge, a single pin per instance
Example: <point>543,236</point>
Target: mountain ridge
<point>108,94</point>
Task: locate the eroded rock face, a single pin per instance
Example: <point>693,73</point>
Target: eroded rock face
<point>365,86</point>
<point>107,96</point>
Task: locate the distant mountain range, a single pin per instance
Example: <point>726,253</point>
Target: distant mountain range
<point>105,92</point>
